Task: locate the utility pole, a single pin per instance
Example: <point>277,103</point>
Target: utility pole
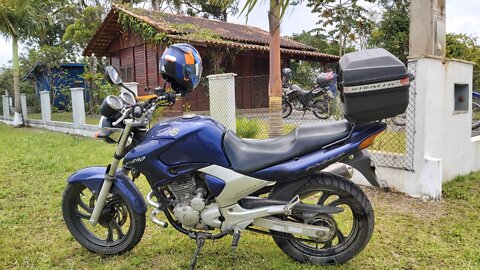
<point>427,28</point>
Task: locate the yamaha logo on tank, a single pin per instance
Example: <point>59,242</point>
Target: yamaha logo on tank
<point>174,131</point>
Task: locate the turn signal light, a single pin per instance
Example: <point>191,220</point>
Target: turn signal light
<point>368,141</point>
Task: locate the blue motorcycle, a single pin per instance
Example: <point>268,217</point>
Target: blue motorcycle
<point>209,183</point>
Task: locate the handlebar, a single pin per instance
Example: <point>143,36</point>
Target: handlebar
<point>125,114</point>
<point>140,110</point>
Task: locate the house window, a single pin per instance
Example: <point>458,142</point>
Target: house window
<point>127,74</point>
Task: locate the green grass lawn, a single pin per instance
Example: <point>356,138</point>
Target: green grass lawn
<point>66,117</point>
<point>390,141</point>
<point>34,164</point>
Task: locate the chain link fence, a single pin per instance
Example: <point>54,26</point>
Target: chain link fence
<point>394,148</point>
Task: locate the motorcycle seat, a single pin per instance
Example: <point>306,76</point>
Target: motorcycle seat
<point>299,90</point>
<point>247,156</point>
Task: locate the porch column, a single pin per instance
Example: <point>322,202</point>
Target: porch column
<point>23,99</point>
<point>45,104</point>
<point>222,99</point>
<point>78,107</point>
<point>6,107</point>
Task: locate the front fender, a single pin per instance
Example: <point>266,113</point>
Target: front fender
<point>92,178</point>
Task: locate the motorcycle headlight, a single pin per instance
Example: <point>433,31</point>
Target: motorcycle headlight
<point>107,132</point>
<point>110,106</point>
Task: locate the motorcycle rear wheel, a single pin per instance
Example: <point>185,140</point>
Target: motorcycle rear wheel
<point>400,120</point>
<point>354,226</point>
<point>320,106</point>
<point>118,230</point>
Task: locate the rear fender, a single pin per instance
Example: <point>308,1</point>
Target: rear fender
<point>362,163</point>
<point>281,190</point>
<point>92,178</point>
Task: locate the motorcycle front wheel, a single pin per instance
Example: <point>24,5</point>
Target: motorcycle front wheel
<point>286,108</point>
<point>475,115</point>
<point>118,229</point>
<point>353,226</point>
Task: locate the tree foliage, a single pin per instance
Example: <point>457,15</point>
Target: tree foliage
<point>209,9</point>
<point>305,72</point>
<point>79,33</point>
<point>346,20</point>
<point>465,47</point>
<point>392,33</point>
<point>20,20</point>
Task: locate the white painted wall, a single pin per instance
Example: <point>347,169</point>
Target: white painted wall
<point>443,145</point>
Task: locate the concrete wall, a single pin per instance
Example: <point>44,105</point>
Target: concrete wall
<point>78,127</point>
<point>63,127</point>
<point>443,145</point>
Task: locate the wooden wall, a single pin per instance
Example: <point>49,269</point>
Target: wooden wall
<point>138,62</point>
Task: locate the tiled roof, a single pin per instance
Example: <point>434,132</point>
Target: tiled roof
<point>184,28</point>
<point>181,24</point>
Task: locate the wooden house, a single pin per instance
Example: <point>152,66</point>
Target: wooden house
<point>134,40</point>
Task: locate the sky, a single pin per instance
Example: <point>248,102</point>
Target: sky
<point>462,17</point>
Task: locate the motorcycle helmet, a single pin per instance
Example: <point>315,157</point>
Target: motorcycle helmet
<point>324,79</point>
<point>181,65</point>
<point>286,72</point>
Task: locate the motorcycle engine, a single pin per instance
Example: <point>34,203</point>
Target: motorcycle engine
<point>297,105</point>
<point>189,202</point>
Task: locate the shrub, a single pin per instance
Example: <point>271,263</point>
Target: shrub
<point>247,128</point>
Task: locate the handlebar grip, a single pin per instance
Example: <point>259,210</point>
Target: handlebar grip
<point>169,97</point>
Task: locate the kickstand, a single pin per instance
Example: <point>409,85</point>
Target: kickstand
<point>304,112</point>
<point>200,241</point>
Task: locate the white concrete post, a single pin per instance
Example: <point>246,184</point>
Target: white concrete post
<point>443,146</point>
<point>78,107</point>
<point>132,86</point>
<point>222,99</point>
<point>45,105</point>
<point>6,107</point>
<point>23,99</point>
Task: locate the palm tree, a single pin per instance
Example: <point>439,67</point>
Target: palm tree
<point>275,15</point>
<point>20,19</point>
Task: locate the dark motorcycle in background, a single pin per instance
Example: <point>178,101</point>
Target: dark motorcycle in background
<point>318,100</point>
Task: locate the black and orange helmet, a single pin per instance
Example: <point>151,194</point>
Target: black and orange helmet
<point>181,65</point>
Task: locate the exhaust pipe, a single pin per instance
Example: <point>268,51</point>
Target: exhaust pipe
<point>156,211</point>
<point>340,169</point>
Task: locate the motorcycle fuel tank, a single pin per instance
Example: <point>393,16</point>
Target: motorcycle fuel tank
<point>178,145</point>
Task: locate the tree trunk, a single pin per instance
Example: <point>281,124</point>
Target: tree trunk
<point>275,81</point>
<point>156,5</point>
<point>224,15</point>
<point>18,117</point>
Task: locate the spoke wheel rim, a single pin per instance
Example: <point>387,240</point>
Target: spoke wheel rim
<point>320,107</point>
<point>110,230</point>
<point>341,240</point>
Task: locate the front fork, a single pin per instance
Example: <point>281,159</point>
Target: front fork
<point>110,176</point>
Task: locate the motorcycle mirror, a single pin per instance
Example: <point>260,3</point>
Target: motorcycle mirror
<point>113,76</point>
